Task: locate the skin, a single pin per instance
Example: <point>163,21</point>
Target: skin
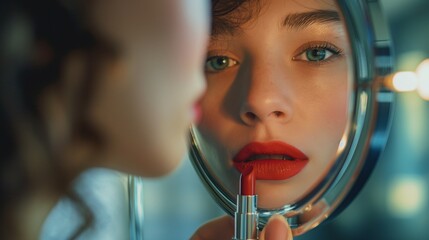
<point>144,99</point>
<point>269,89</point>
<point>276,229</point>
<point>145,103</point>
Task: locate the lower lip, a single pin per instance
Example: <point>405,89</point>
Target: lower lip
<point>273,169</point>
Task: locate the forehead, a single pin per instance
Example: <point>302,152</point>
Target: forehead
<point>229,19</point>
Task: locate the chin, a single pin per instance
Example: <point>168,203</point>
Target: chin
<point>270,202</point>
<point>169,167</point>
<point>272,194</point>
<point>164,163</point>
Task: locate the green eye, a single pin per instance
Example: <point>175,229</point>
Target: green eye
<point>219,63</point>
<point>317,54</point>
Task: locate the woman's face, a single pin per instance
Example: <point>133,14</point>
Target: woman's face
<point>145,100</point>
<point>277,96</point>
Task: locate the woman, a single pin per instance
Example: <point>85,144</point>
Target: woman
<point>93,83</point>
<point>277,94</point>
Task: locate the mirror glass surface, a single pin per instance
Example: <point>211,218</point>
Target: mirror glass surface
<point>278,98</point>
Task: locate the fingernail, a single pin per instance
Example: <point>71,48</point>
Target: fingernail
<point>277,228</point>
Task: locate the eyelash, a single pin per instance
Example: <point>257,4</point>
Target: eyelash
<point>231,62</point>
<point>335,51</point>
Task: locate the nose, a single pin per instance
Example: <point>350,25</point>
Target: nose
<point>267,100</point>
<point>264,111</point>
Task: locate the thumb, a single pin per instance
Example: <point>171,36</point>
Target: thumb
<point>276,229</point>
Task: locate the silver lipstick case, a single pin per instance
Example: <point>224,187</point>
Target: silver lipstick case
<point>246,218</point>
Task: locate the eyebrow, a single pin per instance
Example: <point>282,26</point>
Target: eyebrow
<point>305,19</point>
<point>294,20</point>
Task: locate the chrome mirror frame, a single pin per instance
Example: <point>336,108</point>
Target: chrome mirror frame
<point>372,109</point>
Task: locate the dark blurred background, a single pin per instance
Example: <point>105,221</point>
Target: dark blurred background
<point>393,205</point>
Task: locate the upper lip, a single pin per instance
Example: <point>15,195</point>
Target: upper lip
<point>268,150</point>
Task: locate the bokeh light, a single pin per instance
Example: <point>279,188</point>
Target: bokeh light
<point>406,196</point>
<point>405,81</point>
<point>423,79</point>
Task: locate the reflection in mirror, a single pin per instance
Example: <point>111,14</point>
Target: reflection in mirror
<point>278,94</point>
<point>281,108</point>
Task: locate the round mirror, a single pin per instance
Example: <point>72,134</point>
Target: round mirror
<point>293,90</point>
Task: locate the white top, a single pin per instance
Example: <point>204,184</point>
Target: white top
<point>105,193</point>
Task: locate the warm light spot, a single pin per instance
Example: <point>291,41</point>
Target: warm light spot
<point>404,81</point>
<point>406,196</point>
<point>423,79</point>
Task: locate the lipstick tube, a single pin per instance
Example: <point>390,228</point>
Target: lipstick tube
<point>246,216</point>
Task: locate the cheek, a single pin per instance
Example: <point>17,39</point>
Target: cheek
<point>215,125</point>
<point>212,115</point>
<point>330,107</point>
<point>337,109</point>
<point>326,116</point>
<point>332,122</point>
<point>211,120</point>
<point>335,123</point>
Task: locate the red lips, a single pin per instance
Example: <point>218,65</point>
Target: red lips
<point>271,160</point>
<point>196,112</point>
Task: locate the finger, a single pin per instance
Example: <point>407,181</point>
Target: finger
<point>217,229</point>
<point>276,229</point>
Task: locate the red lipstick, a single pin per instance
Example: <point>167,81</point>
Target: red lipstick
<point>246,216</point>
<point>271,160</point>
<point>247,182</point>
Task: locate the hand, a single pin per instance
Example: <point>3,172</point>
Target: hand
<point>223,229</point>
<point>276,229</point>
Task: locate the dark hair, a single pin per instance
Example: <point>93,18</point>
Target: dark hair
<point>228,15</point>
<point>36,38</point>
